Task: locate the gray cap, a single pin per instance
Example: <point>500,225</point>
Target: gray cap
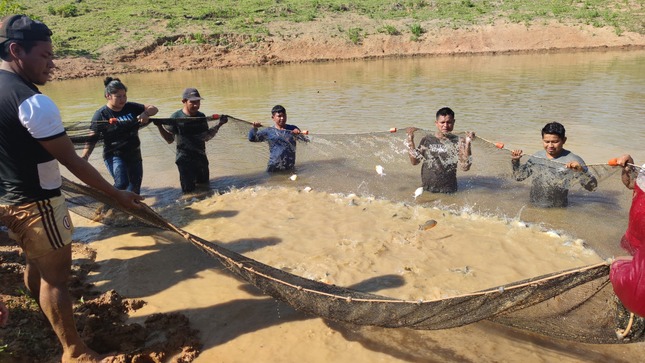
<point>191,94</point>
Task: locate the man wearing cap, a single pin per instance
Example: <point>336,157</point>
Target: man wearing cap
<point>281,138</point>
<point>191,135</point>
<point>32,143</point>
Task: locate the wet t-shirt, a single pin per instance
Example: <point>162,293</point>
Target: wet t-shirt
<point>282,146</point>
<point>552,179</point>
<point>440,161</point>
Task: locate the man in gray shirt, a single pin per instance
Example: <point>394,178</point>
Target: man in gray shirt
<point>441,153</point>
<point>553,169</point>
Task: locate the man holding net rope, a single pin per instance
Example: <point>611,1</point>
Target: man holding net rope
<point>552,169</point>
<point>441,153</point>
<point>32,143</point>
<point>627,274</point>
<point>191,136</point>
<point>282,139</point>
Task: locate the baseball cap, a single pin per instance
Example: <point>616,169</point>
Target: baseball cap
<point>191,94</point>
<point>278,108</point>
<point>21,27</point>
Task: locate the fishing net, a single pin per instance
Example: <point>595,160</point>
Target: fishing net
<point>577,305</point>
<point>337,154</point>
<point>83,134</point>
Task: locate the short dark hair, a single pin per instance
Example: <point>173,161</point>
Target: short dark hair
<point>112,85</point>
<point>445,111</point>
<point>554,128</point>
<point>25,44</point>
<point>277,109</point>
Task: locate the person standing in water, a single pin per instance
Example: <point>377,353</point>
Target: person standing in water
<point>33,142</point>
<point>628,273</point>
<point>282,139</point>
<point>118,122</point>
<point>552,169</point>
<point>191,136</point>
<point>441,153</point>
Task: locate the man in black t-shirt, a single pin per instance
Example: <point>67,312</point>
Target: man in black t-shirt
<point>191,138</point>
<point>32,143</point>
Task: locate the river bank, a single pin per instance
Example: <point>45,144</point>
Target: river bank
<point>324,40</point>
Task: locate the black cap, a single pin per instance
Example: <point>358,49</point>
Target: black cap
<point>191,94</point>
<point>21,27</point>
<point>278,108</point>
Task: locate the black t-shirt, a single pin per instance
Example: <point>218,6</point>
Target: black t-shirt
<point>27,171</point>
<point>120,138</point>
<point>189,134</point>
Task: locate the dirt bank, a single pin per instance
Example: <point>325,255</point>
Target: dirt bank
<point>101,319</point>
<point>327,40</point>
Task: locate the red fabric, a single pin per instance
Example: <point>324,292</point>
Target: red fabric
<point>635,235</point>
<point>628,276</point>
<point>628,279</point>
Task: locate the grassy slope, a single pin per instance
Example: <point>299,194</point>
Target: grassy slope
<point>94,27</point>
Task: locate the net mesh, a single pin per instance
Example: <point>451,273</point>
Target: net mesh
<point>82,133</point>
<point>577,305</point>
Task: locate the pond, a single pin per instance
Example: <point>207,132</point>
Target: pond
<point>349,109</point>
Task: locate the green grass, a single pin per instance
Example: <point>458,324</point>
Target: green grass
<point>89,27</point>
<point>416,31</point>
<point>389,30</point>
<point>355,35</point>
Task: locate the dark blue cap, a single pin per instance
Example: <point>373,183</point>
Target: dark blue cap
<point>21,27</point>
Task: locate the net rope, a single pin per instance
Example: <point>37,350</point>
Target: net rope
<point>577,304</point>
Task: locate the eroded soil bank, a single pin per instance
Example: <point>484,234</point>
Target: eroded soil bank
<point>323,40</point>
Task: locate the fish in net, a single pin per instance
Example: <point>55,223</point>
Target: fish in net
<point>577,304</point>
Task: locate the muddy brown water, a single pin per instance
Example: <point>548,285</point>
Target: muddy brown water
<point>356,224</point>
